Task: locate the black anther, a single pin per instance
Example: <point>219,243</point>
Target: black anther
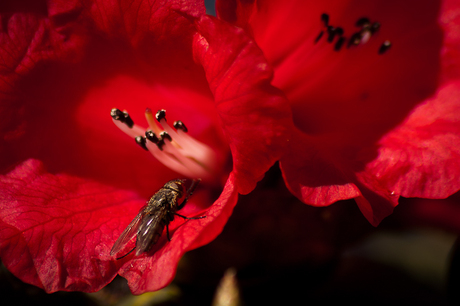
<point>362,22</point>
<point>122,117</point>
<point>325,19</point>
<point>128,121</point>
<point>375,27</point>
<point>385,46</point>
<point>141,141</point>
<point>161,114</point>
<point>164,135</point>
<point>150,135</point>
<point>331,33</point>
<point>355,39</point>
<point>338,45</point>
<point>116,114</point>
<point>160,144</point>
<point>179,125</point>
<point>319,36</point>
<point>339,31</point>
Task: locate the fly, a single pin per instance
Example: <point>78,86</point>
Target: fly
<point>153,217</point>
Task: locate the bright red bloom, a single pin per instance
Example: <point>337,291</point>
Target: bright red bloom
<point>374,90</point>
<point>71,181</point>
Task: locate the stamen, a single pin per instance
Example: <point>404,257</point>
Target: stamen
<point>160,144</point>
<point>368,29</point>
<point>331,31</point>
<point>365,35</point>
<point>122,117</point>
<point>161,114</point>
<point>151,121</point>
<point>165,136</point>
<point>355,39</point>
<point>167,159</point>
<point>179,125</point>
<point>124,122</point>
<point>325,19</point>
<point>339,31</point>
<point>152,137</point>
<point>362,22</point>
<point>189,144</point>
<point>142,142</point>
<point>375,27</point>
<point>174,151</point>
<point>385,46</point>
<point>339,43</point>
<point>319,36</point>
<point>172,147</point>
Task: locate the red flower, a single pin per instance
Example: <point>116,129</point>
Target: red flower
<point>374,90</point>
<point>71,181</point>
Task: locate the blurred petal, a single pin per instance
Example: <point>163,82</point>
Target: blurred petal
<point>254,115</point>
<point>421,158</point>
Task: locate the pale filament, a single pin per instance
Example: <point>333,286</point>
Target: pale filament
<point>179,152</point>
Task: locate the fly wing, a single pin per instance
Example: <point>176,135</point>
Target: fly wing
<point>128,233</point>
<point>150,230</point>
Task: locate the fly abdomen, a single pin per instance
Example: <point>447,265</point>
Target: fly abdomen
<point>150,231</point>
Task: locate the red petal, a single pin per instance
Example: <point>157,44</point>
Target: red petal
<point>254,115</point>
<point>58,235</point>
<point>313,174</point>
<point>449,21</point>
<point>156,271</point>
<point>321,176</point>
<point>56,231</point>
<point>421,158</point>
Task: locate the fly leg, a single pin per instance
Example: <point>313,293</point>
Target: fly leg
<point>187,218</point>
<point>189,193</point>
<point>167,232</point>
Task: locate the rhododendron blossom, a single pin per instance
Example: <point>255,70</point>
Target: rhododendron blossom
<point>374,91</point>
<point>71,181</point>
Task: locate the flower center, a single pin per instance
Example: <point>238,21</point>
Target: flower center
<point>173,147</point>
<point>362,36</point>
<point>339,66</point>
